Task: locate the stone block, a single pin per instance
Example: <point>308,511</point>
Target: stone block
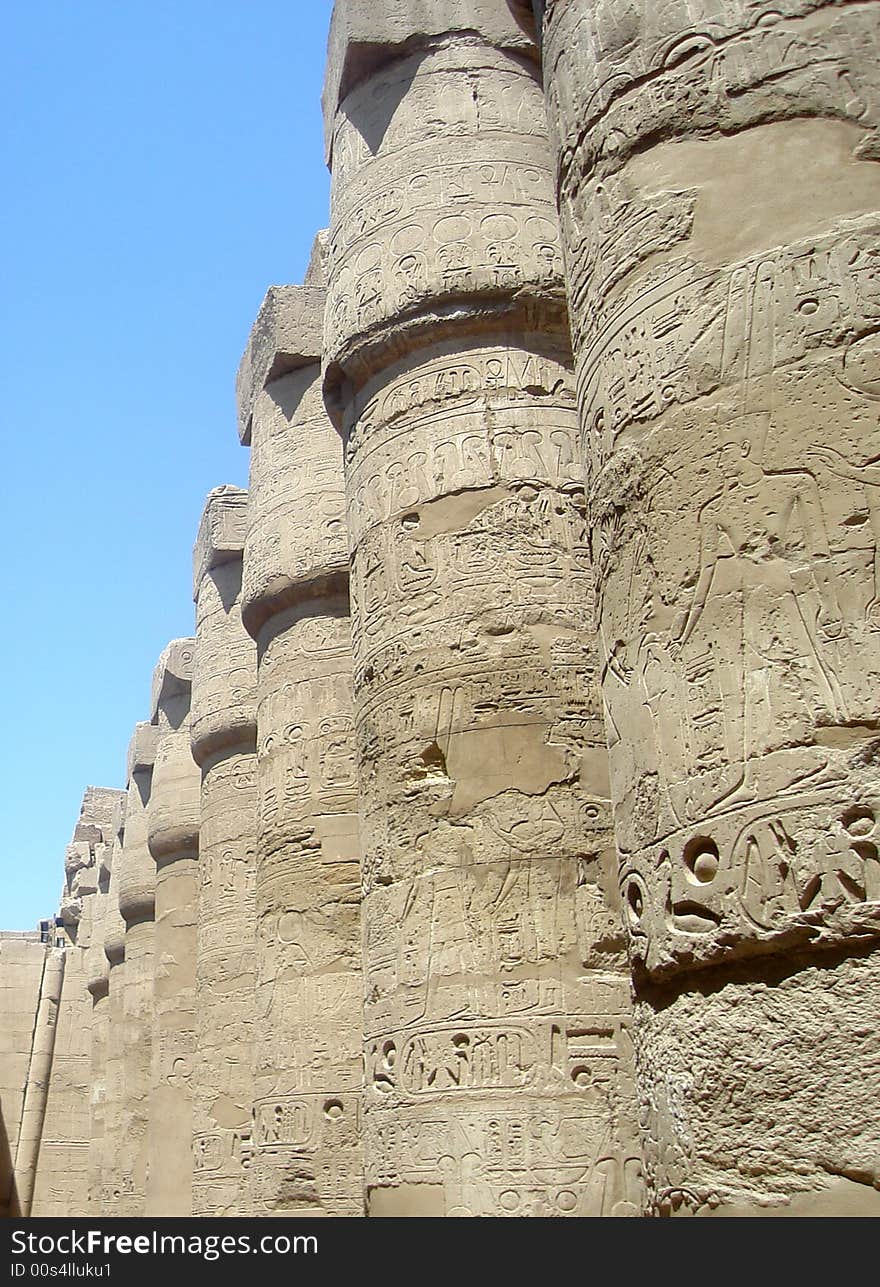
<point>222,531</point>
<point>363,37</point>
<point>286,335</point>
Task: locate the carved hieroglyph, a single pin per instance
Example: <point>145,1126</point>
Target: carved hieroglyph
<point>496,1001</point>
<point>719,190</point>
<point>308,1007</point>
<point>223,733</point>
<point>173,839</point>
<point>137,905</point>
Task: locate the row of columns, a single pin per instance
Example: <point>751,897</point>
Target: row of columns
<point>504,841</point>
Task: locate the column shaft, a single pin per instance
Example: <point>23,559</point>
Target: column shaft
<point>497,1000</point>
<point>223,735</point>
<point>173,839</point>
<point>307,1063</point>
<point>137,905</point>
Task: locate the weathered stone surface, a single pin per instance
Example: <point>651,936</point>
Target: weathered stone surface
<point>110,1155</point>
<point>63,1164</point>
<point>285,337</point>
<point>481,591</point>
<point>22,968</point>
<point>719,194</point>
<point>363,38</point>
<point>316,271</point>
<point>443,218</point>
<point>496,1014</point>
<point>137,906</point>
<point>38,1078</point>
<point>97,976</point>
<point>307,1059</point>
<point>173,841</point>
<point>223,734</point>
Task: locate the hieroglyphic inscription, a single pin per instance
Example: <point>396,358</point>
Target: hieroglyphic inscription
<point>728,396</point>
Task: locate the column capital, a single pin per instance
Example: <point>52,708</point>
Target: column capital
<point>142,748</point>
<point>364,37</point>
<point>287,335</point>
<point>222,531</point>
<point>173,674</point>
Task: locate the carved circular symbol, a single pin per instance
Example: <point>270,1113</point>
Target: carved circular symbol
<point>701,859</point>
<point>455,227</point>
<point>290,927</point>
<point>541,229</point>
<point>635,903</point>
<point>859,820</point>
<point>499,227</point>
<point>861,366</point>
<point>407,239</point>
<point>333,1109</point>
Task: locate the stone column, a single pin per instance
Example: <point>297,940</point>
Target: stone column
<point>719,194</point>
<point>137,905</point>
<point>496,992</point>
<point>62,1178</point>
<point>307,1059</point>
<point>114,951</point>
<point>173,840</point>
<point>223,732</point>
<point>97,972</point>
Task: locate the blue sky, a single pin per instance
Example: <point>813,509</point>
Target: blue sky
<point>162,165</point>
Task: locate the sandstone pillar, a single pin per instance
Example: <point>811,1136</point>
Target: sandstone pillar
<point>496,994</point>
<point>308,1015</point>
<point>110,1155</point>
<point>137,905</point>
<point>173,840</point>
<point>223,733</point>
<point>719,192</point>
<point>62,1178</point>
<point>97,974</point>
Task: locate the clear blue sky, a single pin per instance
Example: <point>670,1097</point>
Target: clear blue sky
<point>162,164</point>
